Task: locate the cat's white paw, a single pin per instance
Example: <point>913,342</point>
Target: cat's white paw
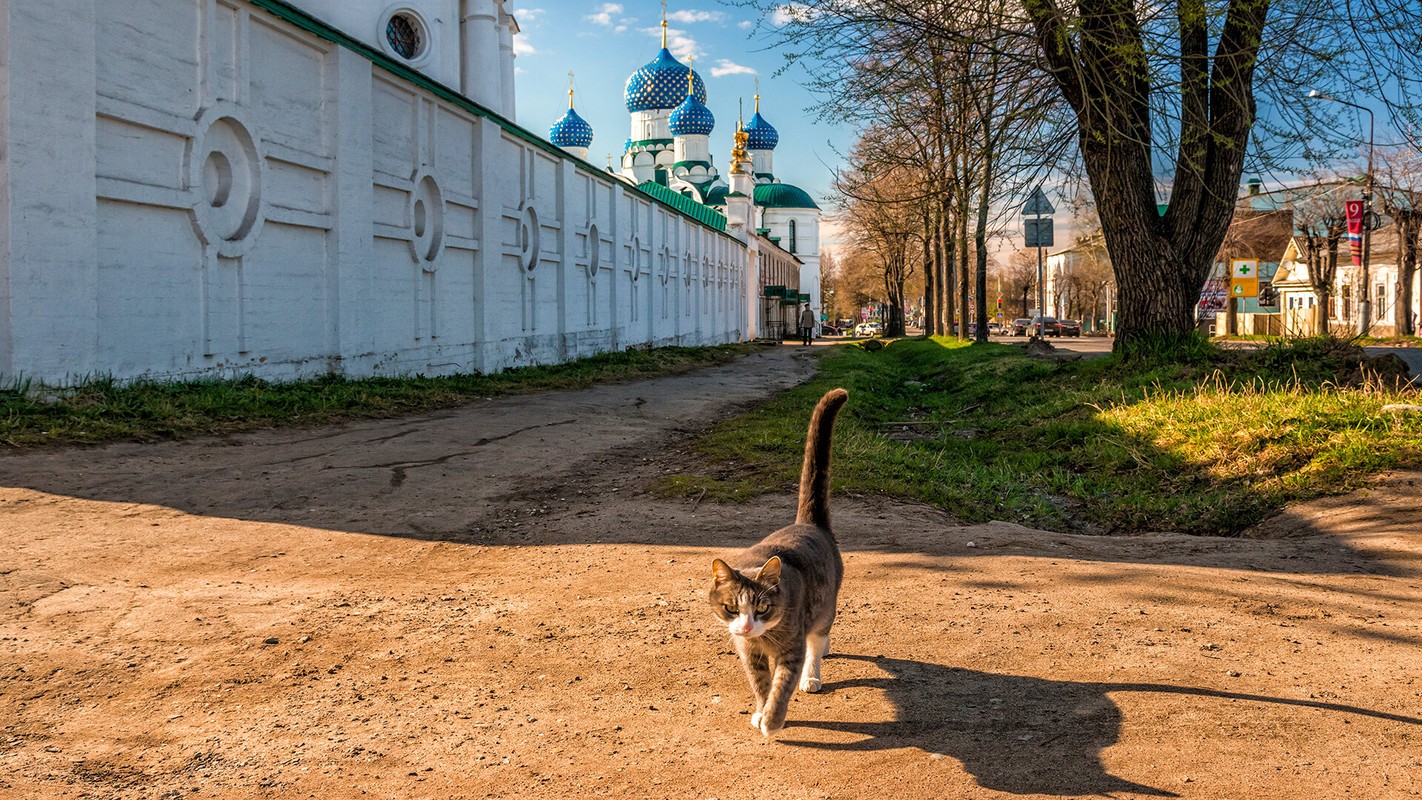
<point>755,720</point>
<point>767,731</point>
<point>810,684</point>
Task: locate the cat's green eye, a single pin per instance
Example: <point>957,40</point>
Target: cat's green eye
<point>732,609</point>
<point>761,608</point>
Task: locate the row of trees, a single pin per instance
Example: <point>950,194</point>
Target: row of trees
<point>938,154</point>
<point>965,104</point>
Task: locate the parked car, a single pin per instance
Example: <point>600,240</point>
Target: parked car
<point>868,329</point>
<point>1018,327</point>
<point>995,328</point>
<point>1069,327</point>
<point>1050,326</point>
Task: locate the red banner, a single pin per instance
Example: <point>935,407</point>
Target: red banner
<point>1354,212</point>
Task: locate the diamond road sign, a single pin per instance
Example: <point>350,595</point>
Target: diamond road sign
<point>1038,205</point>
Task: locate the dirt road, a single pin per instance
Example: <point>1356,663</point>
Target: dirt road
<point>487,603</point>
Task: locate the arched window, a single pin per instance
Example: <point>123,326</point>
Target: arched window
<point>792,235</point>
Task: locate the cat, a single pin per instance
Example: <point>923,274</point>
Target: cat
<point>778,597</point>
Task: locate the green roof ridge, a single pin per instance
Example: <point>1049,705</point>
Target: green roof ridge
<point>706,215</point>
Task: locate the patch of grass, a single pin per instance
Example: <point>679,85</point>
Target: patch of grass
<point>104,410</point>
<point>1116,444</point>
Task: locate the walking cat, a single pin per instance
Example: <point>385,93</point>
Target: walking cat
<point>778,597</point>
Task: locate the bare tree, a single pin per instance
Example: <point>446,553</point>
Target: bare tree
<point>1019,279</point>
<point>1400,195</point>
<point>880,219</point>
<point>1320,223</point>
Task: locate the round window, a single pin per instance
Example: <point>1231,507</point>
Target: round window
<point>405,36</point>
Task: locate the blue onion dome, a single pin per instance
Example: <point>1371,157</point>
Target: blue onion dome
<point>661,84</point>
<point>762,135</point>
<point>691,117</point>
<point>571,131</point>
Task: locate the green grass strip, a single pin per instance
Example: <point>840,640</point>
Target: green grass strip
<point>1106,445</point>
<point>104,410</point>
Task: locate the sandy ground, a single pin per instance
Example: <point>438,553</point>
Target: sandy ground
<point>487,603</point>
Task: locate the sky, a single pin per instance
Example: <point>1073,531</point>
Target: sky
<point>604,43</point>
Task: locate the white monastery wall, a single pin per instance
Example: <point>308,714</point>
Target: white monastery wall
<point>203,188</point>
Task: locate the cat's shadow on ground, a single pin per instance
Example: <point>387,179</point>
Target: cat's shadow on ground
<point>1013,733</point>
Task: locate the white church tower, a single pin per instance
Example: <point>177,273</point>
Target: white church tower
<point>788,212</point>
<point>463,44</point>
<point>571,132</point>
<point>652,94</point>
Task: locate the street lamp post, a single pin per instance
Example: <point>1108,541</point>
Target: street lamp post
<point>1365,303</point>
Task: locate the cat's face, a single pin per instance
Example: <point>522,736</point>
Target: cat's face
<point>748,606</point>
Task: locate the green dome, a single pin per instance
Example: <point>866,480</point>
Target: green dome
<point>782,195</point>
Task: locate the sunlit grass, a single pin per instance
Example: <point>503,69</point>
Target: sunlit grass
<point>1106,445</point>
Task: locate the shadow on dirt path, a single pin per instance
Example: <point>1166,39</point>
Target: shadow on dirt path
<point>1046,737</point>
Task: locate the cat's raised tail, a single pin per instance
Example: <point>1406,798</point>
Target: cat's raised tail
<point>814,475</point>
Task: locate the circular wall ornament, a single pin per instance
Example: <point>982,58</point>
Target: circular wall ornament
<point>426,214</point>
<point>404,35</point>
<point>225,170</point>
<point>594,251</point>
<point>528,232</point>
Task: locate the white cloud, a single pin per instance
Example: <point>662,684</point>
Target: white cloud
<point>691,15</point>
<point>745,25</point>
<point>522,47</point>
<point>726,67</point>
<point>619,29</point>
<point>604,13</point>
<point>527,16</point>
<point>791,12</point>
<point>681,45</point>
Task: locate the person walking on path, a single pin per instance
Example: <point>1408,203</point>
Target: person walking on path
<point>807,325</point>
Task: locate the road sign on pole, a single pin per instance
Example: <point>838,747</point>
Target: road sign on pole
<point>1244,277</point>
<point>1039,232</point>
<point>1037,204</point>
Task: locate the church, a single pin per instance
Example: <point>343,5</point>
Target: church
<point>669,145</point>
<point>294,188</point>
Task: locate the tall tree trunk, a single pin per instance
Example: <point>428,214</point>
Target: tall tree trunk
<point>1099,60</point>
<point>1409,226</point>
<point>946,249</point>
<point>930,303</point>
<point>980,236</point>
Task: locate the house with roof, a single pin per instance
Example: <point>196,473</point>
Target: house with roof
<point>1300,304</point>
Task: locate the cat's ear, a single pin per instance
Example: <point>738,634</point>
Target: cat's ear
<point>722,571</point>
<point>769,574</point>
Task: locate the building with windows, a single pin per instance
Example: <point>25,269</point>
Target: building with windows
<point>289,188</point>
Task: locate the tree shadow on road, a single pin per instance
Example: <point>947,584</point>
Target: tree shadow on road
<point>1013,733</point>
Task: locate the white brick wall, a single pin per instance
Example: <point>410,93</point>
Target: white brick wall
<point>202,188</point>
